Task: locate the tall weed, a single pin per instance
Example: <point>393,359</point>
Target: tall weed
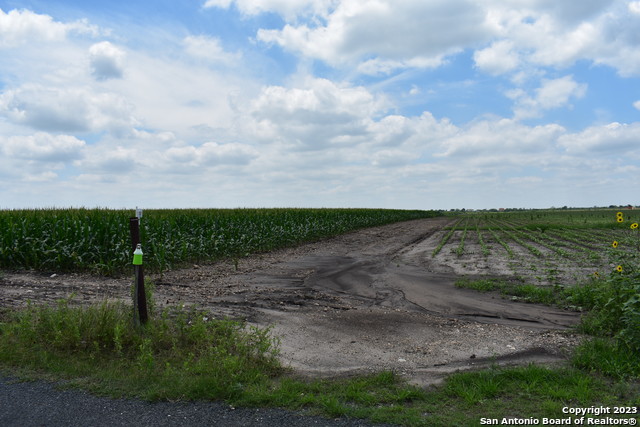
<point>181,348</point>
<point>614,314</point>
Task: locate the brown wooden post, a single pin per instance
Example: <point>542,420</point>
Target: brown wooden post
<point>139,296</point>
<point>134,228</point>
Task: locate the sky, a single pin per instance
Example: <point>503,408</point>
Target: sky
<point>407,104</point>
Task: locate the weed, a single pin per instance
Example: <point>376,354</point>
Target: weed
<point>607,356</point>
<point>181,346</point>
<point>516,290</point>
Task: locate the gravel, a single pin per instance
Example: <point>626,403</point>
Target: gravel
<point>40,403</point>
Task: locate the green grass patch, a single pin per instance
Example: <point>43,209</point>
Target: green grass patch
<point>462,400</point>
<point>515,290</point>
<point>607,357</point>
<point>531,391</point>
<point>180,354</point>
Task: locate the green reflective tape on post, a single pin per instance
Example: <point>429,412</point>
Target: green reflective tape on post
<point>137,255</point>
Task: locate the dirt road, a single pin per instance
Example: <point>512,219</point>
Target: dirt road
<point>370,300</point>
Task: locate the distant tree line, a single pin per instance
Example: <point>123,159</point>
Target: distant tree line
<point>551,208</point>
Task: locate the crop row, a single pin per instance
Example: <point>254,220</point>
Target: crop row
<point>98,240</point>
<point>542,220</point>
<point>539,246</point>
<point>561,232</point>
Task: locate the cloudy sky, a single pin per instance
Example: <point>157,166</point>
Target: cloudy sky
<point>426,104</point>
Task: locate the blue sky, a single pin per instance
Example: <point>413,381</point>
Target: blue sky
<point>435,104</point>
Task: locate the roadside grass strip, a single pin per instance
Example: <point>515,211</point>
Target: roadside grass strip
<point>182,355</point>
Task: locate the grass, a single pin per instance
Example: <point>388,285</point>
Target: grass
<point>516,290</point>
<point>586,296</point>
<point>530,391</point>
<point>463,399</point>
<point>182,354</point>
<point>607,357</point>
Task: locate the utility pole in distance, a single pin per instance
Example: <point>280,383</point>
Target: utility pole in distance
<point>139,297</point>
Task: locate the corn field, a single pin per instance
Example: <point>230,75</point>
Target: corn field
<point>98,240</point>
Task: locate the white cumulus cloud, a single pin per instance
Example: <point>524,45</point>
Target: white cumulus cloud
<point>107,61</point>
<point>383,36</point>
<point>498,58</point>
<point>66,109</point>
<point>212,154</point>
<point>553,93</point>
<point>43,147</point>
<point>503,139</point>
<point>19,27</point>
<point>396,34</point>
<point>612,139</point>
<point>287,8</point>
<point>558,34</point>
<point>209,49</point>
<point>390,158</point>
<point>315,116</point>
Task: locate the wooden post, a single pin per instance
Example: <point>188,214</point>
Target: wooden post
<point>134,228</point>
<point>140,314</point>
<point>141,297</point>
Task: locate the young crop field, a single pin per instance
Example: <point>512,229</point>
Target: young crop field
<point>546,247</point>
<point>98,240</point>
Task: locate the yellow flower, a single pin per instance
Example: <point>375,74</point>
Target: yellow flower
<point>619,214</point>
<point>619,269</point>
<point>615,244</point>
<point>620,219</point>
<point>634,225</point>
